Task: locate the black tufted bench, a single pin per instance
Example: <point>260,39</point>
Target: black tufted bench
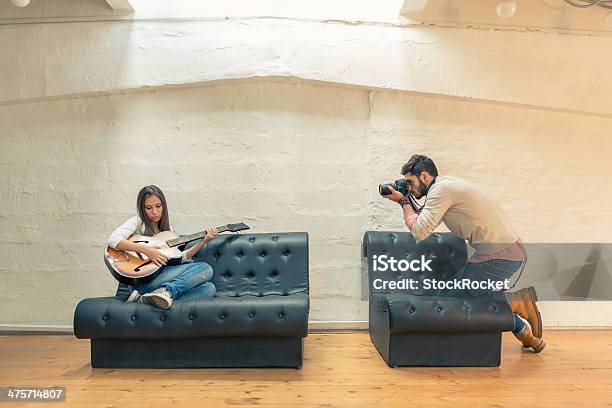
<point>418,327</point>
<point>258,317</point>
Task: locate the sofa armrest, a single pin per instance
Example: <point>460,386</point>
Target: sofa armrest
<point>273,315</point>
<point>412,313</point>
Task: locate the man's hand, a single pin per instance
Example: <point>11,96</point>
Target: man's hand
<point>211,233</point>
<point>395,195</point>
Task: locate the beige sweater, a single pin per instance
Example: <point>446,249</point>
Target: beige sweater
<point>466,211</point>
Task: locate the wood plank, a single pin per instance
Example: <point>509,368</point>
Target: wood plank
<point>342,369</point>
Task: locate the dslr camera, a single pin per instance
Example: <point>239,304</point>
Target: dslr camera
<point>400,185</point>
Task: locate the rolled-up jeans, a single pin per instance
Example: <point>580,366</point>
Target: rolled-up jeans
<point>187,280</point>
<point>496,270</point>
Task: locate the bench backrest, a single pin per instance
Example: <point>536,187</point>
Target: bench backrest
<point>447,253</point>
<point>255,264</point>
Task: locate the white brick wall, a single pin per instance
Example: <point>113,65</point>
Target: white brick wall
<point>503,108</point>
<point>223,164</point>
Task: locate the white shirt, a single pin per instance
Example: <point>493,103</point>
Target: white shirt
<point>133,226</point>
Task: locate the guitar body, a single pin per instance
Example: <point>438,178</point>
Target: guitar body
<point>134,268</point>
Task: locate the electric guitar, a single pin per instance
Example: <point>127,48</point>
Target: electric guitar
<point>135,268</point>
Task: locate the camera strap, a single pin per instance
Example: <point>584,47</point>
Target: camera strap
<point>523,263</point>
<point>414,204</point>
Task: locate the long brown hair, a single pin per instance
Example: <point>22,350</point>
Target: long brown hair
<point>164,222</point>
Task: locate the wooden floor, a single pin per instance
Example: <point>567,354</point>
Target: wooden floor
<point>343,369</point>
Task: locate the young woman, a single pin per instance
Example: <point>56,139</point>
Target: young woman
<point>189,279</point>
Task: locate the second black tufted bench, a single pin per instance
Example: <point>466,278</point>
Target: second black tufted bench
<point>258,318</point>
<point>419,327</point>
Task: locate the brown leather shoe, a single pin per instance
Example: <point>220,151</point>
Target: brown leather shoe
<point>529,340</point>
<point>522,302</point>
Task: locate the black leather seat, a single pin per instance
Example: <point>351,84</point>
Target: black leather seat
<point>258,318</point>
<point>419,327</point>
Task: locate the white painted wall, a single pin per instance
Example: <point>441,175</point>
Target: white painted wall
<point>289,123</point>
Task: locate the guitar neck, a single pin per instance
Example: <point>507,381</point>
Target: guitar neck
<point>188,238</point>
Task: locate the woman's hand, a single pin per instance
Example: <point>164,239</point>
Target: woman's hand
<point>156,256</point>
<point>211,234</point>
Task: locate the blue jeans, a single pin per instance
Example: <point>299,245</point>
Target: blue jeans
<point>188,280</point>
<point>494,270</point>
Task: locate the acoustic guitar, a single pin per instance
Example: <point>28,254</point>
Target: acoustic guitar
<point>135,268</point>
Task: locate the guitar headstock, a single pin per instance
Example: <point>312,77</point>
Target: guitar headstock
<point>237,227</point>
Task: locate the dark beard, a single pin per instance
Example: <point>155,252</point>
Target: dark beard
<point>422,190</point>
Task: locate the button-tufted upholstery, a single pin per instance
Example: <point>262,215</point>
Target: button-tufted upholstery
<point>258,264</point>
<point>272,315</point>
<point>447,253</point>
<point>421,327</point>
<point>258,317</point>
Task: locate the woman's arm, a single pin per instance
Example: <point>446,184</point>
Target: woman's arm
<point>123,232</point>
<point>156,256</point>
<point>211,233</point>
<point>126,245</point>
<point>119,240</point>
